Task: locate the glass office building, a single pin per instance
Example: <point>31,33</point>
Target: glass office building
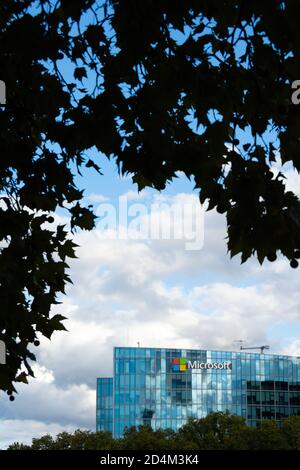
<point>162,388</point>
<point>104,404</point>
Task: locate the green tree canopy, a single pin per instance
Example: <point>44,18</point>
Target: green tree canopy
<point>78,440</point>
<point>147,439</point>
<point>217,431</point>
<point>291,431</point>
<point>270,437</point>
<point>202,88</point>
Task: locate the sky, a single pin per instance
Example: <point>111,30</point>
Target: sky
<point>129,289</point>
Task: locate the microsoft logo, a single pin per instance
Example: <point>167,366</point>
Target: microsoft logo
<point>179,364</point>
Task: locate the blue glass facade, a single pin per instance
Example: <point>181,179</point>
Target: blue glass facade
<point>163,387</point>
<point>104,404</point>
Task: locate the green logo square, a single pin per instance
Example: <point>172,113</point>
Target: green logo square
<point>182,361</point>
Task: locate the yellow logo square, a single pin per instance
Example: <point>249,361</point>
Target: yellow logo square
<point>182,367</point>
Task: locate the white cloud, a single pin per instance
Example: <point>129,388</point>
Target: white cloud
<point>95,197</point>
<point>293,349</point>
<point>49,403</point>
<point>159,294</point>
<point>135,195</point>
<point>18,430</point>
<point>293,181</point>
<point>292,177</point>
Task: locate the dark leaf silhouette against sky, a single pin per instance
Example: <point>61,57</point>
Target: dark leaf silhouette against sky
<point>201,88</point>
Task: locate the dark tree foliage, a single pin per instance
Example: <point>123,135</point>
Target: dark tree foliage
<point>217,431</point>
<point>79,440</point>
<point>198,87</point>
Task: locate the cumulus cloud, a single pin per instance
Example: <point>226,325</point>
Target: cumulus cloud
<point>293,348</point>
<point>43,400</point>
<point>157,293</point>
<point>96,198</point>
<point>19,430</point>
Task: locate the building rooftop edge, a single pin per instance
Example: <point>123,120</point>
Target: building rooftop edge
<point>211,350</point>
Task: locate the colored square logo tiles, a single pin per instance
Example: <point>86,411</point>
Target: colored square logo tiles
<point>179,364</point>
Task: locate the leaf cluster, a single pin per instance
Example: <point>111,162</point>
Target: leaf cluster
<point>217,431</point>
